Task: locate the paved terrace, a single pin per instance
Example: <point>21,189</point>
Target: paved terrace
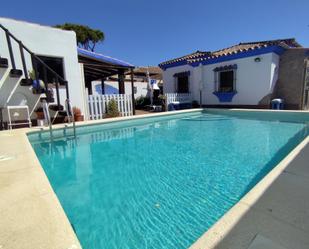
<point>31,216</point>
<point>273,215</point>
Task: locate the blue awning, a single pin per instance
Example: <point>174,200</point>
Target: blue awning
<point>103,58</point>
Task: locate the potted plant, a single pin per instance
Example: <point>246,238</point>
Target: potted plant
<point>112,109</point>
<point>38,85</point>
<point>162,98</point>
<point>195,104</point>
<point>39,113</point>
<point>141,102</point>
<point>77,114</point>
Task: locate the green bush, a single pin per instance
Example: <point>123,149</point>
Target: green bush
<point>112,109</point>
<point>195,104</point>
<point>141,102</point>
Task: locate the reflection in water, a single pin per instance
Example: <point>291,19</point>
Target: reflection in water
<point>108,135</point>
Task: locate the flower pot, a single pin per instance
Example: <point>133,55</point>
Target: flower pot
<point>111,116</point>
<point>38,84</point>
<point>78,117</point>
<point>40,115</point>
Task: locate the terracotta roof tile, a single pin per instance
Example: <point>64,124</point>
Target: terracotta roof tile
<point>150,69</point>
<point>194,55</point>
<point>246,46</point>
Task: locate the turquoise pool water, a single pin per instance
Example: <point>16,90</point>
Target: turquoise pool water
<point>160,183</point>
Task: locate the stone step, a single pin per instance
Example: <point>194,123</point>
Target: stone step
<point>56,107</point>
<point>4,63</point>
<point>26,82</point>
<point>16,73</point>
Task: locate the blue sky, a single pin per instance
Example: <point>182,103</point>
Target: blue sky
<point>147,32</point>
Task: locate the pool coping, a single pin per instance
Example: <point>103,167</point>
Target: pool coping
<point>19,194</point>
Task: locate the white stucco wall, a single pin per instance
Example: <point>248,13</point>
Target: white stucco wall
<point>254,80</point>
<point>169,85</point>
<point>47,41</point>
<point>141,87</point>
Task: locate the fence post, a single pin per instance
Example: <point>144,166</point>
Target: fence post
<point>87,117</point>
<point>125,105</point>
<point>100,106</point>
<point>91,107</point>
<point>104,104</point>
<point>132,88</point>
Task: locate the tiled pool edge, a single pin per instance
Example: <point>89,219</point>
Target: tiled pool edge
<point>65,236</point>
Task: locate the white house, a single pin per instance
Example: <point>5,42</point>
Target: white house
<point>61,70</point>
<point>49,44</point>
<point>247,74</point>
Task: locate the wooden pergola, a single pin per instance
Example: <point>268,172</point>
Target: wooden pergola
<point>100,67</point>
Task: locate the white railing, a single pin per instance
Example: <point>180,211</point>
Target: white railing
<point>178,97</point>
<point>97,105</point>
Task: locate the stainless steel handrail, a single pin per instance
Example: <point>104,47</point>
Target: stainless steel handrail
<point>47,117</point>
<point>70,114</point>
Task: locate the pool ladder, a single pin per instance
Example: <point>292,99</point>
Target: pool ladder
<point>69,114</point>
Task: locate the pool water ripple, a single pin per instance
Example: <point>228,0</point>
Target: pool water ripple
<point>161,184</point>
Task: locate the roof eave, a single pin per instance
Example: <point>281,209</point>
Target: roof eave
<point>92,56</point>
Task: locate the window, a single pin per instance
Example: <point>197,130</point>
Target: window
<point>225,78</point>
<point>135,90</point>
<point>182,84</point>
<point>54,63</point>
<point>226,81</point>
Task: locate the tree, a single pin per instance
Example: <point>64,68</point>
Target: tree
<point>112,109</point>
<point>86,37</point>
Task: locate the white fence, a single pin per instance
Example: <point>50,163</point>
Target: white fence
<point>178,97</point>
<point>97,105</point>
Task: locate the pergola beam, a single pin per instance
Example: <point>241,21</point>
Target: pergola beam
<point>121,78</point>
<point>98,70</point>
<point>104,65</point>
<point>132,90</point>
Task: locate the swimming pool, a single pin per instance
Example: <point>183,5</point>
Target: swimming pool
<point>162,182</point>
